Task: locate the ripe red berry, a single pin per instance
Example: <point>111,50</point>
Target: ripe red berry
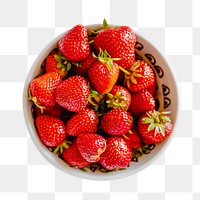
<point>51,130</point>
<point>117,154</point>
<point>117,122</point>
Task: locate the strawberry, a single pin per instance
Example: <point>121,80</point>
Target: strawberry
<point>74,44</point>
<point>152,89</point>
<point>117,154</point>
<point>132,138</point>
<point>73,157</point>
<point>51,130</point>
<point>83,67</point>
<point>119,97</point>
<point>141,102</point>
<point>119,43</point>
<point>155,126</point>
<point>104,73</point>
<point>140,76</point>
<point>54,111</point>
<point>117,122</point>
<point>82,122</point>
<point>56,62</point>
<point>42,89</point>
<point>72,93</point>
<point>91,146</point>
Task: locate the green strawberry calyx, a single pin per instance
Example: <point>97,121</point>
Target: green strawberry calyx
<point>105,58</point>
<point>62,64</point>
<point>34,100</point>
<point>61,147</point>
<point>132,73</point>
<point>158,121</point>
<point>116,101</point>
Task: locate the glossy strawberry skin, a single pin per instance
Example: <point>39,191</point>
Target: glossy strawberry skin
<point>141,102</point>
<point>117,122</point>
<point>73,157</point>
<point>132,139</point>
<point>91,146</point>
<point>102,78</point>
<point>145,79</point>
<point>84,66</point>
<point>72,93</point>
<point>74,44</point>
<point>119,43</point>
<point>117,154</point>
<point>51,130</point>
<point>125,97</point>
<point>149,137</point>
<point>43,88</point>
<point>82,122</point>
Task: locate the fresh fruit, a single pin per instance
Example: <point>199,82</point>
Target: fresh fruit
<point>56,62</point>
<point>141,102</point>
<point>54,111</point>
<point>91,146</point>
<point>74,44</point>
<point>51,130</point>
<point>119,97</point>
<point>117,122</point>
<point>72,93</point>
<point>152,89</point>
<point>155,126</point>
<point>82,68</point>
<point>117,154</point>
<point>138,77</point>
<point>85,121</point>
<point>73,157</point>
<point>104,73</point>
<point>132,138</point>
<point>42,89</point>
<point>119,43</point>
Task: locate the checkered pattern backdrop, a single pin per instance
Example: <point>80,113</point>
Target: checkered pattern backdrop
<point>26,26</point>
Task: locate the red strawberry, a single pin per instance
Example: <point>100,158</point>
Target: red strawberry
<point>119,97</point>
<point>56,62</point>
<point>117,122</point>
<point>117,154</point>
<point>42,89</point>
<point>140,76</point>
<point>82,122</point>
<point>155,126</point>
<point>141,102</point>
<point>73,157</point>
<point>54,111</point>
<point>74,44</point>
<point>91,146</point>
<point>72,93</point>
<point>119,43</point>
<point>152,89</point>
<point>84,66</point>
<point>51,130</point>
<point>104,73</point>
<point>132,139</point>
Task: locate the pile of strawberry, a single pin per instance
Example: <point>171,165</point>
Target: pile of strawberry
<point>94,102</point>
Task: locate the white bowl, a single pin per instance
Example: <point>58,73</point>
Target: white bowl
<point>167,96</point>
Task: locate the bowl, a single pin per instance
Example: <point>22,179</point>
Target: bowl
<point>167,98</point>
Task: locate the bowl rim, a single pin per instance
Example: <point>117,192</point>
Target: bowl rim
<point>78,173</point>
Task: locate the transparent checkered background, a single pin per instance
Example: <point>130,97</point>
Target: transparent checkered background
<point>26,26</point>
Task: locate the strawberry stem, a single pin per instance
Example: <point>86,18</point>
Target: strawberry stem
<point>34,100</point>
<point>125,71</point>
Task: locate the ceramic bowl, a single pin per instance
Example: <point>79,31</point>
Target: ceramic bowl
<point>167,98</point>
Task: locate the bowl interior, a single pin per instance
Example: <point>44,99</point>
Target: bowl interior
<point>166,98</point>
